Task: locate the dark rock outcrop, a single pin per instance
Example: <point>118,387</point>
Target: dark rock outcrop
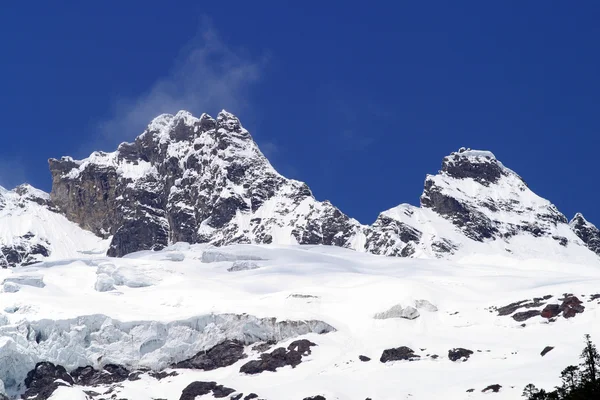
<point>587,232</point>
<point>279,358</point>
<point>44,379</point>
<point>364,358</point>
<point>546,350</point>
<point>459,354</point>
<point>398,353</point>
<point>550,311</point>
<point>525,315</point>
<point>222,355</point>
<point>512,307</point>
<point>195,389</point>
<point>317,397</point>
<point>24,250</point>
<point>493,388</point>
<point>110,374</point>
<point>571,306</point>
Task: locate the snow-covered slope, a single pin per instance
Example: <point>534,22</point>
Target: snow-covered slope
<point>31,230</point>
<point>155,309</point>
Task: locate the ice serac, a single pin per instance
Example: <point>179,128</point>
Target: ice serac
<point>196,180</point>
<point>587,232</point>
<point>32,230</point>
<point>476,205</point>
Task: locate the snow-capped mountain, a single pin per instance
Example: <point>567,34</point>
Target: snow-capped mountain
<point>204,180</point>
<point>32,230</point>
<point>277,295</point>
<point>194,180</point>
<point>476,205</point>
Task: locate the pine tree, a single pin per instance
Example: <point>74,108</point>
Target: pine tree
<point>530,391</point>
<point>591,362</point>
<point>571,378</point>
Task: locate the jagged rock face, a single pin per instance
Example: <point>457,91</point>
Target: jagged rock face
<point>587,232</point>
<point>487,200</point>
<point>194,180</point>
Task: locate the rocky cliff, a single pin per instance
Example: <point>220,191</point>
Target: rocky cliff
<point>196,180</point>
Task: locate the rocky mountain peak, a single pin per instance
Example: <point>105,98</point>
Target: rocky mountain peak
<point>194,180</point>
<point>587,232</point>
<point>204,180</point>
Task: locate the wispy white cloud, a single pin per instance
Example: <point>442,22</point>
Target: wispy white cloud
<point>208,76</point>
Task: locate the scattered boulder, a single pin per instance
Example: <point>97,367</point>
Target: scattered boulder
<point>44,379</point>
<point>364,358</point>
<point>279,358</point>
<point>459,354</point>
<point>222,355</point>
<point>398,311</point>
<point>251,396</point>
<point>525,315</point>
<point>196,389</point>
<point>494,388</point>
<point>302,346</point>
<point>546,350</point>
<point>571,306</point>
<point>470,390</point>
<point>398,353</point>
<point>550,311</point>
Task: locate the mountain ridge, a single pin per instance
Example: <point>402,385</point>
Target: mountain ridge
<point>205,180</point>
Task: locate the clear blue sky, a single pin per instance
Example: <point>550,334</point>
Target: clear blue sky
<point>360,100</point>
